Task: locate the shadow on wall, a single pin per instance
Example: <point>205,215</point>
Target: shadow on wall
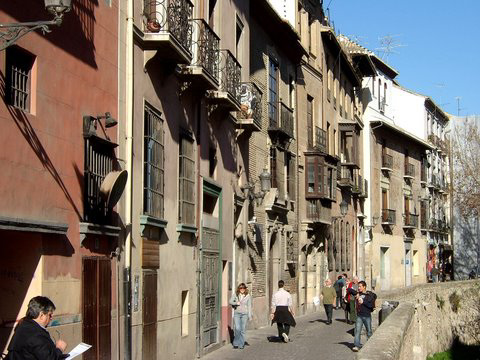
<point>466,251</point>
<point>18,279</point>
<point>76,33</point>
<point>28,132</point>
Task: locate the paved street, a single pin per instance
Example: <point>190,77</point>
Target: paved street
<point>311,339</point>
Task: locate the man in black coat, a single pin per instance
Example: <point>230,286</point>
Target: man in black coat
<point>31,340</point>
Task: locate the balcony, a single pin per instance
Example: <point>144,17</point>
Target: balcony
<point>250,114</point>
<point>345,176</point>
<point>364,193</point>
<point>203,70</point>
<point>387,162</point>
<point>410,221</point>
<point>357,187</point>
<point>409,171</point>
<point>388,217</point>
<point>316,212</point>
<point>166,29</point>
<point>423,222</point>
<point>320,140</point>
<point>228,93</point>
<point>283,124</point>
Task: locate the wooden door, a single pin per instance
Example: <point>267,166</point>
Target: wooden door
<point>97,305</point>
<point>149,302</point>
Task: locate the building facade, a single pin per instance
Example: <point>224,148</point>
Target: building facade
<point>62,173</point>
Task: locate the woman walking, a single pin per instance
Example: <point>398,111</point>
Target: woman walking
<point>241,302</point>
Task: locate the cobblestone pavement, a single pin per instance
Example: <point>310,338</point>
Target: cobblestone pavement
<point>312,338</point>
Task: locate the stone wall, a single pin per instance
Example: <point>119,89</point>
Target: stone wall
<point>428,319</point>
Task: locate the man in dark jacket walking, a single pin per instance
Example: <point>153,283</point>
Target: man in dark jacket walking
<point>31,340</point>
<point>364,303</point>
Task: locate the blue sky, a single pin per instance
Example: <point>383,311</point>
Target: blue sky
<point>440,52</point>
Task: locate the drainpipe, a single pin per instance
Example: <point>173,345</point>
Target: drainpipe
<point>297,186</point>
<point>129,186</point>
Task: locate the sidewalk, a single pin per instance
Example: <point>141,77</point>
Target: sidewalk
<point>310,339</point>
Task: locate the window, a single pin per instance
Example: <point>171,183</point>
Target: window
<point>153,165</point>
<point>310,121</point>
<point>291,92</point>
<point>379,92</point>
<point>314,176</point>
<point>238,38</point>
<point>273,92</point>
<point>273,167</point>
<point>330,182</point>
<point>185,313</point>
<point>291,171</point>
<point>186,212</point>
<point>373,86</point>
<point>385,92</point>
<point>98,162</point>
<point>329,77</point>
<point>19,66</point>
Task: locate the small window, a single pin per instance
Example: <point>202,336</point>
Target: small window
<point>19,65</point>
<point>185,313</point>
<point>314,176</point>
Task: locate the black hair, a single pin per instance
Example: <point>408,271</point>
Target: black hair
<point>363,283</point>
<point>281,283</point>
<point>38,305</point>
<point>339,277</point>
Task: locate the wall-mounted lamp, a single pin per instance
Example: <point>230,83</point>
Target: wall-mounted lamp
<point>373,223</point>
<point>343,210</point>
<point>10,33</point>
<point>90,123</point>
<point>265,185</point>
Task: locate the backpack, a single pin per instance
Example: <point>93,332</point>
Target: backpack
<point>374,298</point>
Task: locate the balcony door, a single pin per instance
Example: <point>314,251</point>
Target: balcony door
<point>385,268</point>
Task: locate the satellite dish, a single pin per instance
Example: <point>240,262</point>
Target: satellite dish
<point>112,187</point>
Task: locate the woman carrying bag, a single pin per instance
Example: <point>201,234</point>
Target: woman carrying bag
<point>241,302</point>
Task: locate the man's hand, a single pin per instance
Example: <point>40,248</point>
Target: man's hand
<point>271,316</point>
<point>360,300</point>
<point>60,344</point>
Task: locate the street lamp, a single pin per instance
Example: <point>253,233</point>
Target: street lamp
<point>265,184</point>
<point>10,33</point>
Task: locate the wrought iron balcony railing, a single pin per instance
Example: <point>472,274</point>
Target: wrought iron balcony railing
<point>250,104</point>
<point>410,220</point>
<point>388,217</point>
<point>316,212</point>
<point>169,16</point>
<point>409,170</point>
<point>205,49</point>
<point>230,73</point>
<point>387,162</point>
<point>320,139</point>
<point>284,122</point>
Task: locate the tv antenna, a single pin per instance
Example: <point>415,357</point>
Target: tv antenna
<point>458,105</point>
<point>388,44</point>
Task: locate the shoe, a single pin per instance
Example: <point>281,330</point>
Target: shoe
<point>285,337</point>
<point>355,348</point>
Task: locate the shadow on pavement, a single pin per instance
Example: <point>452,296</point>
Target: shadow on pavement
<point>347,344</point>
<point>318,320</point>
<point>275,339</point>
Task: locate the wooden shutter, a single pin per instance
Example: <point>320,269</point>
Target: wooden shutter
<point>281,173</point>
<point>104,309</point>
<point>320,174</point>
<point>291,176</point>
<point>334,184</point>
<point>89,315</point>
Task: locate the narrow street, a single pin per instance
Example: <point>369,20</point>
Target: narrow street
<point>310,339</point>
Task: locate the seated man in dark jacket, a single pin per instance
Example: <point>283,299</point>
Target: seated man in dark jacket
<point>31,339</point>
<point>364,303</point>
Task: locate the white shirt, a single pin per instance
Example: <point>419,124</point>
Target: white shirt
<point>281,298</point>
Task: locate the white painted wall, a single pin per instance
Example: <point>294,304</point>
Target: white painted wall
<point>408,111</point>
<point>286,9</point>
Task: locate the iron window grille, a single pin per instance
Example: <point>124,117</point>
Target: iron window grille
<point>186,203</point>
<point>99,161</point>
<point>153,167</point>
<point>19,64</point>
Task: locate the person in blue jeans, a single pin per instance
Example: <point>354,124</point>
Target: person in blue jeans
<point>364,303</point>
<point>241,302</point>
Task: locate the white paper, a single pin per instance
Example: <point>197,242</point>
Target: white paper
<point>78,350</point>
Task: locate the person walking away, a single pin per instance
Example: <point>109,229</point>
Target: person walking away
<point>31,339</point>
<point>282,311</point>
<point>351,300</point>
<point>365,303</point>
<point>338,286</point>
<point>328,296</point>
<point>241,302</point>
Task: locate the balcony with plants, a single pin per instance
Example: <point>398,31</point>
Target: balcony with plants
<point>167,29</point>
<point>250,114</point>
